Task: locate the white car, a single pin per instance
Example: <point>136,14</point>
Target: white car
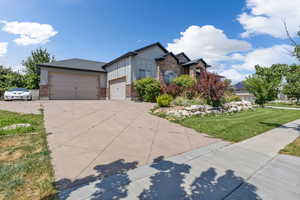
<point>17,94</point>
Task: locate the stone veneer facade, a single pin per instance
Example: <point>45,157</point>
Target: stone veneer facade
<point>168,63</point>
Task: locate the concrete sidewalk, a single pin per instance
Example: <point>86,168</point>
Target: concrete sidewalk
<point>247,170</point>
<point>284,108</point>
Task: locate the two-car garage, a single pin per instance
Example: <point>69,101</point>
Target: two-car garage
<point>73,86</point>
<point>73,79</point>
<point>78,79</point>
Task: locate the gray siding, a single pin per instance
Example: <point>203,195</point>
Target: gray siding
<point>146,60</point>
<point>122,68</point>
<point>44,76</point>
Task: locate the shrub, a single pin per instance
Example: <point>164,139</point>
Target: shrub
<point>233,98</point>
<point>182,101</point>
<point>172,89</point>
<point>164,100</point>
<point>211,87</point>
<point>196,101</point>
<point>147,88</point>
<point>189,93</point>
<point>184,81</point>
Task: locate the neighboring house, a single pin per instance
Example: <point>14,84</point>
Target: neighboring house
<point>241,91</point>
<point>83,79</point>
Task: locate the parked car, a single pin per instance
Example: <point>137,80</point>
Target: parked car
<point>17,94</point>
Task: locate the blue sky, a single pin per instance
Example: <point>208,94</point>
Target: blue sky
<point>231,35</point>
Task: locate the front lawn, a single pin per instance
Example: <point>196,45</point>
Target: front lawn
<point>25,168</point>
<point>293,148</point>
<point>283,105</point>
<point>242,125</point>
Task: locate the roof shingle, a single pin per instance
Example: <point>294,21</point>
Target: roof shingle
<point>78,64</point>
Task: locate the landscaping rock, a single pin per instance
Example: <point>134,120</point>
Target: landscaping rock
<point>208,107</point>
<point>237,106</point>
<point>198,113</point>
<point>15,126</point>
<point>180,111</point>
<point>195,108</point>
<point>214,111</point>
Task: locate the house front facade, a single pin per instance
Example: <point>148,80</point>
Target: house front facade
<point>83,79</point>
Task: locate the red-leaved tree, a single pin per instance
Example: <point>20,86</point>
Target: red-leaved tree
<point>211,87</point>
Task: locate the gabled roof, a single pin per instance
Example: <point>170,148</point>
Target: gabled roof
<point>164,56</point>
<point>78,64</point>
<point>135,52</point>
<point>195,61</point>
<point>239,86</point>
<point>179,57</point>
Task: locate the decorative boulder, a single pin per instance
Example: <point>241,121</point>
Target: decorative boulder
<point>195,108</point>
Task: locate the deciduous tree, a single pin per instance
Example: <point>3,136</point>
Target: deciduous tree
<point>265,83</point>
<point>292,86</point>
<point>211,87</point>
<point>32,70</point>
<point>9,79</point>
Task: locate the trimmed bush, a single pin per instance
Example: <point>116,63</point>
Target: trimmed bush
<point>164,100</point>
<point>184,81</point>
<point>147,88</point>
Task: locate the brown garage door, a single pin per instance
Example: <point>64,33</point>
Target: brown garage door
<point>73,86</point>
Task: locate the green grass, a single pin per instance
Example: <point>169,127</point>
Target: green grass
<point>283,105</point>
<point>10,118</point>
<point>293,148</point>
<point>240,126</point>
<point>25,167</point>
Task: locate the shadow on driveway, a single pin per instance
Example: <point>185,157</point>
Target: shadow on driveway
<point>166,184</point>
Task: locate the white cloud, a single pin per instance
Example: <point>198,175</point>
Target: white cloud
<point>277,54</point>
<point>207,42</point>
<point>234,75</point>
<point>29,32</point>
<point>267,16</point>
<point>223,53</point>
<point>3,48</point>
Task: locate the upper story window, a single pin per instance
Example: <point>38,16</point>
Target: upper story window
<point>169,76</point>
<point>144,73</point>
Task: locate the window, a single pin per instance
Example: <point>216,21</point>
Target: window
<point>148,73</point>
<point>169,76</point>
<point>144,73</point>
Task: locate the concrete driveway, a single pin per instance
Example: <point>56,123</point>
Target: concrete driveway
<point>84,135</point>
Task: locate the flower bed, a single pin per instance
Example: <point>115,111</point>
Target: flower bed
<point>201,110</point>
